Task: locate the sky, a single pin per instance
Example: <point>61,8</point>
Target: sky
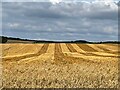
<point>92,20</point>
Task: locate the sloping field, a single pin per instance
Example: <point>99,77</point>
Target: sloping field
<point>60,65</point>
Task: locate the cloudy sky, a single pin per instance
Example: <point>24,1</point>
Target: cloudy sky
<point>55,20</point>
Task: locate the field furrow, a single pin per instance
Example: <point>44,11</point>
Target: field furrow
<point>109,47</point>
<point>94,46</point>
<point>13,51</point>
<point>51,48</point>
<point>22,49</point>
<point>87,55</point>
<point>77,48</point>
<point>70,56</point>
<point>64,58</point>
<point>106,50</point>
<point>17,58</point>
<point>98,55</point>
<point>70,47</point>
<point>58,55</point>
<point>64,48</point>
<point>5,48</point>
<point>103,48</point>
<point>43,49</point>
<point>79,59</point>
<point>87,48</point>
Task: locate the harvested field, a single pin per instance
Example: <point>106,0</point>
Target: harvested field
<point>59,65</point>
<point>20,49</point>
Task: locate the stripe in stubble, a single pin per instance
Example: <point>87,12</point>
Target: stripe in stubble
<point>108,51</point>
<point>77,48</point>
<point>77,59</point>
<point>58,55</point>
<point>95,47</point>
<point>92,54</point>
<point>71,48</point>
<point>64,48</point>
<point>60,58</point>
<point>104,49</point>
<point>51,48</point>
<point>41,51</point>
<point>86,48</point>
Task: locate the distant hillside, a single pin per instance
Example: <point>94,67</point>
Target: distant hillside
<point>4,39</point>
<point>14,40</point>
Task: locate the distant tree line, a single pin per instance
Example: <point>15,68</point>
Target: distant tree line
<point>5,39</point>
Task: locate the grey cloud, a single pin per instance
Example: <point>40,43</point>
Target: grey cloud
<point>103,15</point>
<point>60,22</point>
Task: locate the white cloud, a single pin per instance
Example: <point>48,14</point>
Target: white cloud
<point>14,25</point>
<point>55,1</point>
<point>109,30</point>
<point>110,3</point>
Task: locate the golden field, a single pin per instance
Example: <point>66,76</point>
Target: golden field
<point>59,65</point>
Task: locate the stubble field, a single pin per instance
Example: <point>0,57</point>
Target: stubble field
<point>59,65</point>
